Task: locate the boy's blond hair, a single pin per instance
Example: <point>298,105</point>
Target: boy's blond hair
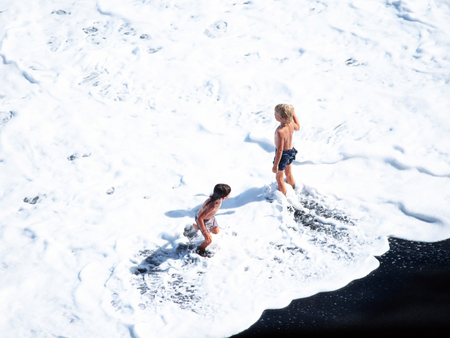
<point>285,111</point>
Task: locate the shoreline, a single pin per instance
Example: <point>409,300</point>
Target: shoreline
<point>408,294</point>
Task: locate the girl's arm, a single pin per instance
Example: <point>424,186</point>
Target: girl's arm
<point>201,224</point>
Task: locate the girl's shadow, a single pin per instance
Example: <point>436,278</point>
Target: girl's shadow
<point>249,196</point>
<point>154,259</point>
<point>151,264</point>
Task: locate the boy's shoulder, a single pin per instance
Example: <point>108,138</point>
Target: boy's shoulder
<point>283,130</point>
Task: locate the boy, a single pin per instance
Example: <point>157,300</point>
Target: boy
<point>285,153</point>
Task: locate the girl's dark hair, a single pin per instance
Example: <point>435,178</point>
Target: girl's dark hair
<point>220,190</point>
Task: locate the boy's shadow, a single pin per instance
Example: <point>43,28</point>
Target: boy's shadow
<point>249,196</point>
<point>264,143</point>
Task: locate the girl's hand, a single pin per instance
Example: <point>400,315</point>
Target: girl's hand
<point>208,238</point>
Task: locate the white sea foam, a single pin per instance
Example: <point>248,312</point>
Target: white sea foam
<point>117,118</point>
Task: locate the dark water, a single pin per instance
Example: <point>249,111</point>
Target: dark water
<point>407,296</point>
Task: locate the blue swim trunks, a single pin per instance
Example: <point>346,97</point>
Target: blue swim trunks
<point>287,158</point>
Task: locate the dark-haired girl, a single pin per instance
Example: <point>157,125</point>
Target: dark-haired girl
<point>205,220</point>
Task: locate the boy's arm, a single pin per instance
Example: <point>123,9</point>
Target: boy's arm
<point>296,123</point>
<point>279,153</point>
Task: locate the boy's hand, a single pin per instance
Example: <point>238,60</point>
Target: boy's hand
<point>275,169</point>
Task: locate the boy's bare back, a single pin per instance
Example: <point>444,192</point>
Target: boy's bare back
<point>284,135</point>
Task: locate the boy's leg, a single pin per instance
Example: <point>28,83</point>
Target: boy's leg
<point>280,181</point>
<point>289,175</point>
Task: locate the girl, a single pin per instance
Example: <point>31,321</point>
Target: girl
<point>205,220</point>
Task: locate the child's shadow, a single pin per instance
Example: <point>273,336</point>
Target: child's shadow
<point>151,264</point>
<point>249,196</point>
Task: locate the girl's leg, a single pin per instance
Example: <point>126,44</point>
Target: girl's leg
<point>203,246</point>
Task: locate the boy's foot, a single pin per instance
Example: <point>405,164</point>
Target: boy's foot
<point>298,187</point>
<point>189,231</point>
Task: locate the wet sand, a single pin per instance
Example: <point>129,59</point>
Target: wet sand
<point>408,295</point>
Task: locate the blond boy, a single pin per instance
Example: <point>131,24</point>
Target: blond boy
<point>285,152</point>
